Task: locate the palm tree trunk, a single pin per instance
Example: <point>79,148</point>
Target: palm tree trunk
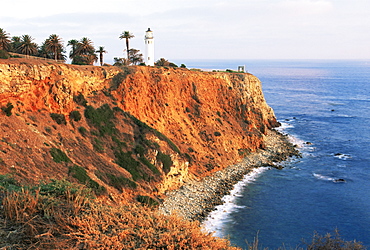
<point>127,46</point>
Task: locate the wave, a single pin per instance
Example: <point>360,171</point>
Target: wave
<point>328,178</point>
<point>304,146</point>
<point>221,214</point>
<point>323,177</point>
<point>342,156</point>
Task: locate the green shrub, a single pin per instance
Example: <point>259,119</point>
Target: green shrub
<point>120,182</point>
<point>147,200</point>
<point>81,175</point>
<point>119,143</point>
<point>8,109</point>
<point>75,115</point>
<point>48,130</point>
<point>126,161</point>
<point>98,145</point>
<point>64,188</point>
<point>139,149</point>
<point>58,155</point>
<point>101,118</point>
<point>147,163</point>
<point>8,183</point>
<point>80,99</point>
<point>166,161</point>
<point>58,118</point>
<point>143,127</point>
<point>83,131</point>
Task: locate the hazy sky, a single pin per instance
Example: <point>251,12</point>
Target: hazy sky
<point>203,29</point>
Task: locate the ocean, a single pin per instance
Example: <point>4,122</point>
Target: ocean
<point>324,106</point>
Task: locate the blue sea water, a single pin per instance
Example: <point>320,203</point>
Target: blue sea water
<point>326,103</point>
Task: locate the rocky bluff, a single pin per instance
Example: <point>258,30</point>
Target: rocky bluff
<point>130,130</point>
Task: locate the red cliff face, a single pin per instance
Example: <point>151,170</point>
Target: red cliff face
<point>203,121</point>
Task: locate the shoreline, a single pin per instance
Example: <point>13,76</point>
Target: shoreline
<point>196,199</point>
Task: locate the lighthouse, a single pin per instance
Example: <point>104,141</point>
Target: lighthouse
<point>149,48</point>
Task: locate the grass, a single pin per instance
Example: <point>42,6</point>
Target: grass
<point>101,118</point>
<point>120,182</point>
<point>126,161</point>
<point>81,175</point>
<point>61,215</point>
<point>58,155</point>
<point>143,127</point>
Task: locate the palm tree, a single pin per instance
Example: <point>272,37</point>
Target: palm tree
<point>54,45</point>
<point>4,40</point>
<point>27,47</point>
<point>72,43</point>
<point>15,44</point>
<point>84,52</point>
<point>121,62</point>
<point>127,35</point>
<point>101,51</point>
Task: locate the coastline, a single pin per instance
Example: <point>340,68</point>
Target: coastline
<point>196,199</point>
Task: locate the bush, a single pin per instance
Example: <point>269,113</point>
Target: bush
<point>120,182</point>
<point>8,183</point>
<point>58,155</point>
<point>320,242</point>
<point>8,109</point>
<point>166,161</point>
<point>147,200</point>
<point>75,115</point>
<point>63,216</point>
<point>80,100</point>
<point>58,118</point>
<point>98,145</point>
<point>147,163</point>
<point>4,54</point>
<point>81,175</point>
<point>101,118</point>
<point>83,131</point>
<point>126,161</point>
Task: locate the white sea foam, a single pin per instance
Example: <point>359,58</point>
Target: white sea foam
<point>323,177</point>
<point>221,214</point>
<point>342,156</point>
<point>284,125</point>
<point>304,146</point>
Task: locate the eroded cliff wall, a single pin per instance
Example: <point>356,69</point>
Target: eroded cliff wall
<point>140,128</point>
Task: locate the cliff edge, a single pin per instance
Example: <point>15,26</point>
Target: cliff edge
<point>136,130</point>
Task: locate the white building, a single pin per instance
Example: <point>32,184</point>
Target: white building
<point>149,48</point>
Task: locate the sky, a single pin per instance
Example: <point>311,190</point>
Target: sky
<point>202,29</point>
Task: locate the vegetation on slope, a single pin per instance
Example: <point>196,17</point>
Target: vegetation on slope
<point>62,215</point>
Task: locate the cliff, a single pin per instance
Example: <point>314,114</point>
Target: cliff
<point>132,130</point>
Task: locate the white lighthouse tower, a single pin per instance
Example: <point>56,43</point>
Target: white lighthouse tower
<point>149,48</point>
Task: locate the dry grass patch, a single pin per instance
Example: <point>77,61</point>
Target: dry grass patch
<point>61,215</point>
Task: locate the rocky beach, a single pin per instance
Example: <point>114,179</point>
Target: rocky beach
<point>196,199</point>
